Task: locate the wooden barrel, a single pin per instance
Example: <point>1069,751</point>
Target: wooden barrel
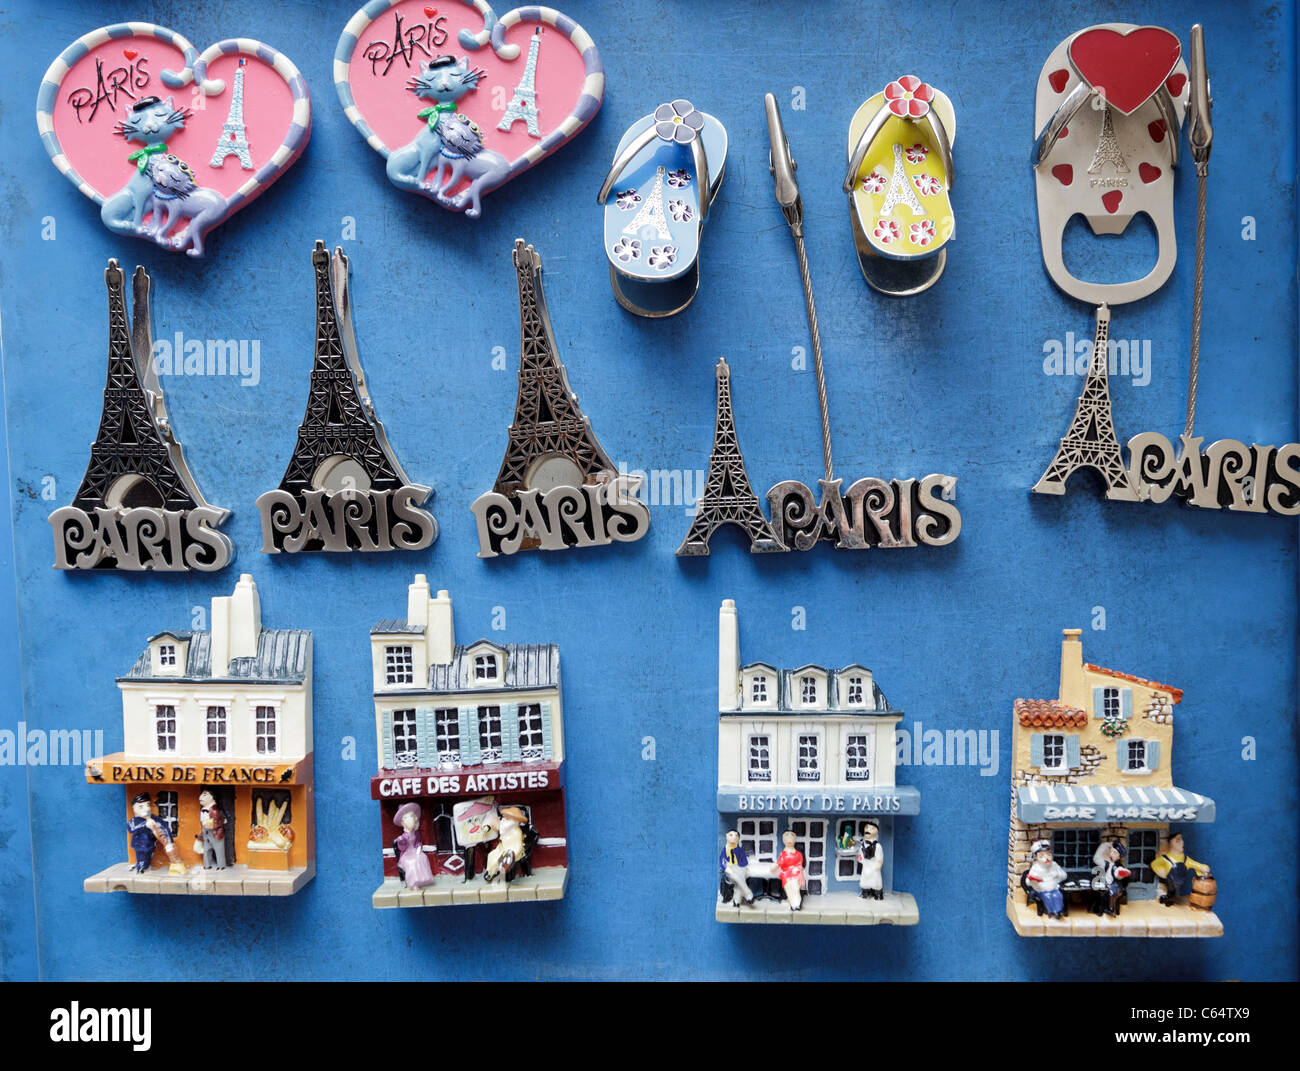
<point>1204,892</point>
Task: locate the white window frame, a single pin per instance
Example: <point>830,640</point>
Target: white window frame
<point>806,682</point>
<point>167,801</point>
<point>159,732</point>
<point>223,705</point>
<point>486,715</point>
<point>761,847</point>
<point>487,667</point>
<point>758,689</point>
<point>754,756</point>
<point>1129,743</point>
<point>856,683</point>
<point>446,727</point>
<point>399,663</point>
<point>1056,741</point>
<point>167,655</point>
<point>851,772</point>
<point>409,754</point>
<point>255,708</point>
<point>532,736</point>
<point>812,740</point>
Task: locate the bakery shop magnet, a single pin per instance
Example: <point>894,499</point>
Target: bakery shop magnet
<point>168,141</point>
<point>459,101</point>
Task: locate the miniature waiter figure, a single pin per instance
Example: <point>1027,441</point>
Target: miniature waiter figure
<point>213,824</point>
<point>790,865</point>
<point>146,831</point>
<point>1109,876</point>
<point>1175,868</point>
<point>872,858</point>
<point>733,862</point>
<point>1043,879</point>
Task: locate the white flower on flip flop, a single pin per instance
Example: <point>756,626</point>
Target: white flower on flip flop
<point>627,249</point>
<point>680,211</point>
<point>921,233</point>
<point>917,153</point>
<point>627,199</point>
<point>678,178</point>
<point>662,257</point>
<point>926,185</point>
<point>886,231</point>
<point>874,183</point>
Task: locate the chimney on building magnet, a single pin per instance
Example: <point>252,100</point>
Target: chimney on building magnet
<point>236,625</point>
<point>440,634</point>
<point>1072,692</point>
<point>417,602</point>
<point>728,656</point>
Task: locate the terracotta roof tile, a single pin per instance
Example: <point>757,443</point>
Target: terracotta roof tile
<point>1176,694</point>
<point>1050,714</point>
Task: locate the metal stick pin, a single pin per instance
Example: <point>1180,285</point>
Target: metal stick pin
<point>782,166</point>
<point>1199,134</point>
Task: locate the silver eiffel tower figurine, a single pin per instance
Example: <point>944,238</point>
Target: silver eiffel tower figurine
<point>1108,150</point>
<point>523,105</point>
<point>651,213</point>
<point>234,138</point>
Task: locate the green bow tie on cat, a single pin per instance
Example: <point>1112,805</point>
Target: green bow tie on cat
<point>432,115</point>
<point>141,156</point>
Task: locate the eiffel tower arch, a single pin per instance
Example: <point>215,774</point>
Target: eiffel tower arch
<point>651,212</point>
<point>550,441</point>
<point>1090,441</point>
<point>523,104</point>
<point>1108,150</point>
<point>728,497</point>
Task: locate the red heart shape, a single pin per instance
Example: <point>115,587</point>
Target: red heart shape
<point>1149,172</point>
<point>1156,128</point>
<point>1128,67</point>
<point>130,53</point>
<point>431,11</point>
<point>1057,79</point>
<point>1111,200</point>
<point>1063,173</point>
<point>1174,83</point>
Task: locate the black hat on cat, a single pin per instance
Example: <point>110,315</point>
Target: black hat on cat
<point>144,102</point>
<point>440,61</point>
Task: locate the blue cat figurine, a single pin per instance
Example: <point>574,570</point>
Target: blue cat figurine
<point>151,122</point>
<point>175,194</point>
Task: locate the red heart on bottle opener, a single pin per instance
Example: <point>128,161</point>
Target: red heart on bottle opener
<point>1111,200</point>
<point>1064,174</point>
<point>1149,172</point>
<point>1057,79</point>
<point>1127,67</point>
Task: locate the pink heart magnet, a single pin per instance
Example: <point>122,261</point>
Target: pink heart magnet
<point>169,142</point>
<point>455,120</point>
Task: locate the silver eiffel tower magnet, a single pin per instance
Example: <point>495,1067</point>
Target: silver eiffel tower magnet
<point>138,506</point>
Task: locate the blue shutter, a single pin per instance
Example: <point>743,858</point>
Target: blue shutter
<point>387,761</point>
<point>1126,702</point>
<point>510,733</point>
<point>1099,702</point>
<point>1153,754</point>
<point>1036,749</point>
<point>468,736</point>
<point>546,731</point>
<point>1071,750</point>
<point>426,746</point>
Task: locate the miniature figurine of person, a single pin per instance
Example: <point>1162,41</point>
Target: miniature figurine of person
<point>790,866</point>
<point>212,822</point>
<point>146,831</point>
<point>1175,868</point>
<point>514,844</point>
<point>1108,876</point>
<point>412,864</point>
<point>871,855</point>
<point>733,862</point>
<point>1044,877</point>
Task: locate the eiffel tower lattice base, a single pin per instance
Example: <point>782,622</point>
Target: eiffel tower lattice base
<point>1090,441</point>
<point>728,497</point>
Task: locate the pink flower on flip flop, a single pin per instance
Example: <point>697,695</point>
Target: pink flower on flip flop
<point>874,183</point>
<point>909,97</point>
<point>921,233</point>
<point>926,185</point>
<point>680,211</point>
<point>627,199</point>
<point>678,178</point>
<point>917,153</point>
<point>886,231</point>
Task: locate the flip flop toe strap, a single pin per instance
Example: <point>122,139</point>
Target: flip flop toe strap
<point>872,131</point>
<point>1076,99</point>
<point>648,137</point>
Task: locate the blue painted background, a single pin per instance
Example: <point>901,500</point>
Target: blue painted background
<point>951,381</point>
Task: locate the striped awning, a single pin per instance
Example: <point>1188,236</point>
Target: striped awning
<point>1081,804</point>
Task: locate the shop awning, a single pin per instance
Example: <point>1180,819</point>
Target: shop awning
<point>1081,804</point>
<point>811,799</point>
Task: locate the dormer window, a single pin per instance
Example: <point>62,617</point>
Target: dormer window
<point>399,667</point>
<point>167,654</point>
<point>485,667</point>
<point>855,691</point>
<point>808,691</point>
<point>758,689</point>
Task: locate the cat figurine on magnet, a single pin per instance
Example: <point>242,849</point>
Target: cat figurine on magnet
<point>455,119</point>
<point>168,141</point>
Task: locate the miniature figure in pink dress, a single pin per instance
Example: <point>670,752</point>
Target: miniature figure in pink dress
<point>412,864</point>
<point>790,865</point>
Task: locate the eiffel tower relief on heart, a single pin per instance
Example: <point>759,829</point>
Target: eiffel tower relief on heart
<point>138,507</point>
<point>1110,103</point>
<point>343,489</point>
<point>458,101</point>
<point>557,487</point>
